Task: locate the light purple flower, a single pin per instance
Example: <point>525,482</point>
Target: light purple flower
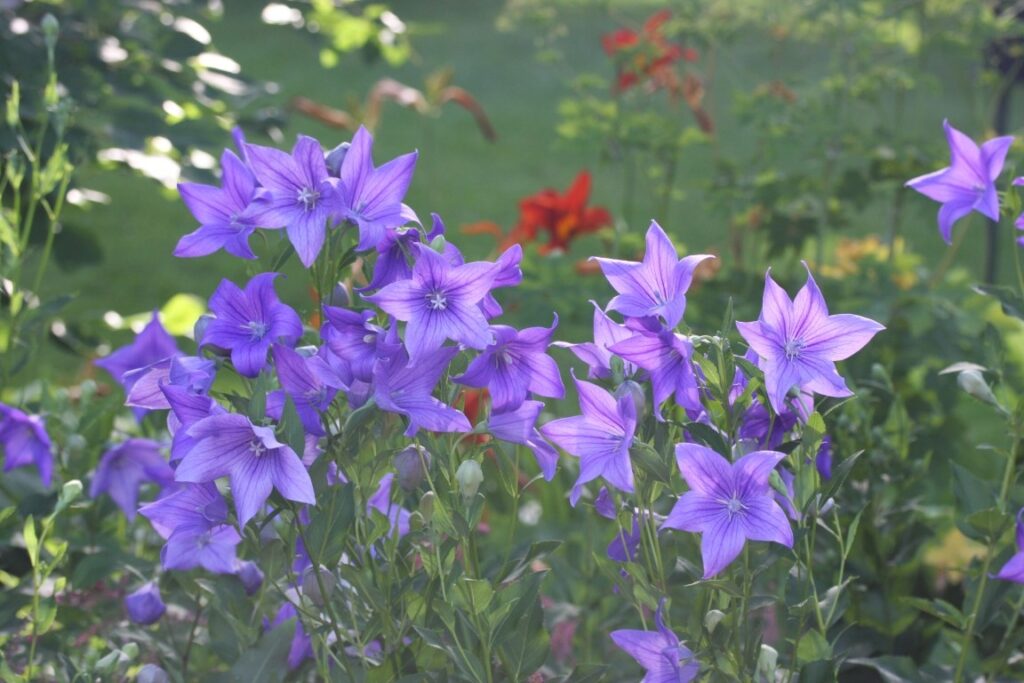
<point>24,441</point>
<point>600,437</point>
<point>596,354</point>
<point>248,321</point>
<point>381,502</point>
<point>193,373</point>
<point>125,467</point>
<point>515,364</point>
<point>399,388</point>
<point>220,212</point>
<point>667,357</point>
<point>660,653</point>
<point>251,576</point>
<point>728,503</point>
<point>1013,570</point>
<point>151,345</point>
<point>968,183</point>
<point>209,547</point>
<point>798,342</point>
<point>144,605</point>
<point>655,287</point>
<point>519,426</point>
<point>189,505</point>
<point>256,463</point>
<point>353,339</point>
<point>311,384</point>
<point>439,302</point>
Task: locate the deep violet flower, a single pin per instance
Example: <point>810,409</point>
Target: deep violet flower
<point>660,653</point>
<point>144,605</point>
<point>798,342</point>
<point>220,212</point>
<point>600,437</point>
<point>186,409</point>
<point>604,504</point>
<point>353,339</point>
<point>1013,570</point>
<point>399,388</point>
<point>248,321</point>
<point>656,286</point>
<point>251,576</point>
<point>24,441</point>
<point>519,426</point>
<point>728,503</point>
<point>125,467</point>
<point>625,545</point>
<point>189,505</point>
<point>311,384</point>
<point>968,183</point>
<point>596,354</point>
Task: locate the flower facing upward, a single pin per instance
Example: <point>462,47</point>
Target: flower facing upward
<point>248,321</point>
<point>968,183</point>
<point>256,463</point>
<point>296,194</point>
<point>24,441</point>
<point>125,467</point>
<point>728,503</point>
<point>1013,570</point>
<point>440,301</point>
<point>220,212</point>
<point>600,437</point>
<point>665,659</point>
<point>655,287</point>
<point>514,365</point>
<point>798,342</point>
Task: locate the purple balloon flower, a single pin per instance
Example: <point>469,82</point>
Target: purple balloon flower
<point>519,426</point>
<point>798,342</point>
<point>655,287</point>
<point>188,505</point>
<point>1013,570</point>
<point>145,606</point>
<point>660,653</point>
<point>192,521</point>
<point>513,365</point>
<point>439,302</point>
<point>604,504</point>
<point>151,345</point>
<point>600,437</point>
<point>251,576</point>
<point>405,390</point>
<point>125,467</point>
<point>596,354</point>
<point>256,463</point>
<point>220,212</point>
<point>372,197</point>
<point>667,357</point>
<point>248,321</point>
<point>24,441</point>
<point>353,339</point>
<point>968,183</point>
<point>624,546</point>
<point>297,194</point>
<point>381,502</point>
<point>728,503</point>
<point>311,384</point>
<point>194,374</point>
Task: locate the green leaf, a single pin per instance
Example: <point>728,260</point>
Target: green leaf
<point>1007,297</point>
<point>939,609</point>
<point>31,540</point>
<point>291,428</point>
<point>329,525</point>
<point>708,436</point>
<point>890,669</point>
<point>813,647</point>
<point>474,596</point>
<point>267,662</point>
<point>972,494</point>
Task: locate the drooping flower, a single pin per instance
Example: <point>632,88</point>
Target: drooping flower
<point>563,216</point>
<point>220,211</point>
<point>439,302</point>
<point>968,183</point>
<point>604,504</point>
<point>296,194</point>
<point>311,384</point>
<point>372,197</point>
<point>1013,570</point>
<point>253,459</point>
<point>728,503</point>
<point>625,545</point>
<point>656,286</point>
<point>519,426</point>
<point>596,354</point>
<point>24,441</point>
<point>251,576</point>
<point>798,342</point>
<point>660,653</point>
<point>144,605</point>
<point>248,321</point>
<point>667,357</point>
<point>399,388</point>
<point>601,437</point>
<point>515,364</point>
<point>151,345</point>
<point>125,467</point>
<point>192,373</point>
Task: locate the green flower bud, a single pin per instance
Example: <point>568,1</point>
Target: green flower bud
<point>470,476</point>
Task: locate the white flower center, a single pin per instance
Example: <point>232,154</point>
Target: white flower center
<point>257,329</point>
<point>793,348</point>
<point>734,505</point>
<point>257,447</point>
<point>308,197</point>
<point>437,300</point>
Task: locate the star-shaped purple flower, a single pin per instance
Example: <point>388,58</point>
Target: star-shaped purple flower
<point>600,437</point>
<point>1013,570</point>
<point>311,384</point>
<point>151,345</point>
<point>296,194</point>
<point>256,463</point>
<point>24,441</point>
<point>220,212</point>
<point>248,321</point>
<point>372,197</point>
<point>968,183</point>
<point>194,374</point>
<point>515,364</point>
<point>596,354</point>
<point>439,302</point>
<point>352,338</point>
<point>519,426</point>
<point>192,521</point>
<point>125,467</point>
<point>728,503</point>
<point>660,653</point>
<point>399,388</point>
<point>798,342</point>
<point>667,357</point>
<point>655,287</point>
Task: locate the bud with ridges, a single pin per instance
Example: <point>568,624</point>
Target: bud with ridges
<point>767,662</point>
<point>712,619</point>
<point>311,586</point>
<point>426,507</point>
<point>470,476</point>
<point>974,384</point>
<point>636,391</point>
<point>412,464</point>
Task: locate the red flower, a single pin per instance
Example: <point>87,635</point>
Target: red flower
<point>563,217</point>
<point>644,54</point>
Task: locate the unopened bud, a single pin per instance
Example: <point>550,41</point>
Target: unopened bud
<point>767,662</point>
<point>335,157</point>
<point>427,506</point>
<point>199,329</point>
<point>631,388</point>
<point>251,577</point>
<point>712,619</point>
<point>311,586</point>
<point>51,27</point>
<point>412,464</point>
<point>339,296</point>
<point>973,383</point>
<point>151,673</point>
<point>470,476</point>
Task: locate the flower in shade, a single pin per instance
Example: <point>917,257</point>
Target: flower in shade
<point>251,576</point>
<point>604,504</point>
<point>311,384</point>
<point>151,345</point>
<point>667,357</point>
<point>352,338</point>
<point>381,502</point>
<point>372,197</point>
<point>248,321</point>
<point>192,519</point>
<point>220,212</point>
<point>440,301</point>
<point>519,426</point>
<point>24,441</point>
<point>398,388</point>
<point>515,364</point>
<point>296,194</point>
<point>251,457</point>
<point>624,546</point>
<point>301,647</point>
<point>600,437</point>
<point>145,606</point>
<point>125,467</point>
<point>563,216</point>
<point>798,342</point>
<point>728,503</point>
<point>596,354</point>
<point>660,653</point>
<point>968,183</point>
<point>656,286</point>
<point>1013,570</point>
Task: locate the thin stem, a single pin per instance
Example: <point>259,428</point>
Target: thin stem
<point>191,639</point>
